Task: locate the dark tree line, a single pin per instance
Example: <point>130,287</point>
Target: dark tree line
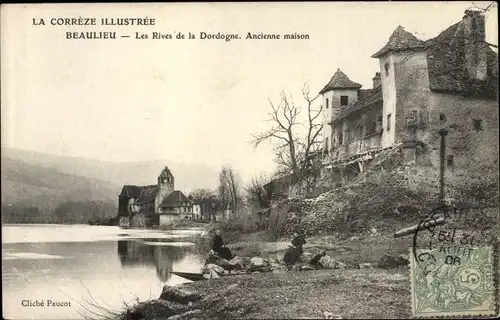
<point>68,212</point>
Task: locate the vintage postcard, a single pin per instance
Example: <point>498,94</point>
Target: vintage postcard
<point>253,160</point>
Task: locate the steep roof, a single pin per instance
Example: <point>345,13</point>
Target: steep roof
<point>148,194</point>
<point>166,172</point>
<point>131,191</point>
<point>340,81</point>
<point>447,64</point>
<point>400,40</point>
<point>174,199</point>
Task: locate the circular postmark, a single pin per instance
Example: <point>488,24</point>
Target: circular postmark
<point>452,257</point>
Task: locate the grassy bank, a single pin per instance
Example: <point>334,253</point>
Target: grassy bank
<point>350,293</point>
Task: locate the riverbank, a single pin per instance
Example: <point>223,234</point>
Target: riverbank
<point>350,292</point>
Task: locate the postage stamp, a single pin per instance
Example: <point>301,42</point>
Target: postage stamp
<point>447,282</point>
<point>453,268</point>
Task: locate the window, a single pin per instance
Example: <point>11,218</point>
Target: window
<point>386,67</point>
<point>411,118</point>
<point>478,125</point>
<point>379,123</point>
<point>326,143</point>
<point>340,138</point>
<point>327,103</point>
<point>442,117</point>
<point>344,100</point>
<point>449,161</point>
<point>389,122</point>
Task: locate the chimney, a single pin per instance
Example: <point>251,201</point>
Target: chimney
<point>475,45</point>
<point>376,80</point>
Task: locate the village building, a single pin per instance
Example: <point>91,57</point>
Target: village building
<point>449,82</point>
<point>159,204</point>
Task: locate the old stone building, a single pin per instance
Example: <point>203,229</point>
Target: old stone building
<point>449,82</point>
<point>158,204</point>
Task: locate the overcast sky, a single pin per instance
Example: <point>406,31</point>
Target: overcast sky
<point>196,101</point>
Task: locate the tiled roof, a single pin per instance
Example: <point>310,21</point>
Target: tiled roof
<point>174,200</point>
<point>447,68</point>
<point>340,81</point>
<point>148,194</point>
<point>366,98</point>
<point>400,40</point>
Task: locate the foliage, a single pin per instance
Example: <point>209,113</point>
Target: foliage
<point>256,193</point>
<point>229,191</point>
<point>201,193</point>
<point>66,212</point>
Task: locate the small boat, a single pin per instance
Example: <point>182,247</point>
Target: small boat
<point>189,276</point>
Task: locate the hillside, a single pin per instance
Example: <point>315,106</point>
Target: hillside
<point>187,176</point>
<point>26,184</point>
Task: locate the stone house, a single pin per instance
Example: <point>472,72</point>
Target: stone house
<point>154,204</point>
<point>448,82</point>
<point>175,205</point>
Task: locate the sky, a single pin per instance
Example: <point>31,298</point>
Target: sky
<point>193,101</point>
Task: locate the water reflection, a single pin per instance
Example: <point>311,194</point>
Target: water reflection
<point>163,257</point>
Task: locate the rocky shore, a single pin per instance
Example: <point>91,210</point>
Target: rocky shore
<point>356,280</point>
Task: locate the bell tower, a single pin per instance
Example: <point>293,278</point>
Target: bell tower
<point>165,186</point>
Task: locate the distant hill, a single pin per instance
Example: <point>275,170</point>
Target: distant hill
<point>187,176</point>
<point>33,185</point>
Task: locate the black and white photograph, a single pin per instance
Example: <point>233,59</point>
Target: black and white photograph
<point>250,160</point>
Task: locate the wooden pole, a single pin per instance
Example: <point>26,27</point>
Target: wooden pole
<point>442,133</point>
<point>424,225</point>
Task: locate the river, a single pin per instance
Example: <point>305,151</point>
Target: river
<point>84,270</point>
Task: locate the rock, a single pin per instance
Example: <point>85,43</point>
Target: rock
<point>307,256</point>
<point>259,269</point>
<point>390,261</point>
<point>214,267</point>
<point>354,238</point>
<point>176,294</point>
<point>330,315</point>
<point>366,266</point>
<point>257,262</point>
<point>237,262</point>
<point>277,267</point>
<point>328,262</point>
<point>186,315</point>
<point>306,268</point>
<point>159,306</point>
<point>212,274</point>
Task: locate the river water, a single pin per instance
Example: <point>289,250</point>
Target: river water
<point>88,270</point>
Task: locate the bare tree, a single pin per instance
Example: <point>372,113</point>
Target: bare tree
<point>201,193</point>
<point>295,148</point>
<point>229,189</point>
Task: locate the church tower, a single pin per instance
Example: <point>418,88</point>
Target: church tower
<point>165,186</point>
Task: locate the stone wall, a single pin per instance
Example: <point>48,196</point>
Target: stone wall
<point>471,154</point>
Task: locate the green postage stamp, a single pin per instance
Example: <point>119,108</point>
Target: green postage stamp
<point>453,282</point>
